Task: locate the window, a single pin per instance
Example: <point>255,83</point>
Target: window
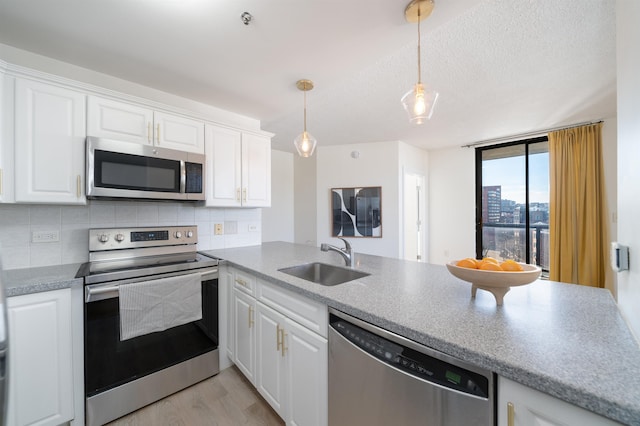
<point>512,201</point>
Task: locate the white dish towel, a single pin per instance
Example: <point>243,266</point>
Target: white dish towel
<point>157,305</point>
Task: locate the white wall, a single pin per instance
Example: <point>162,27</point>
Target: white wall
<point>18,221</point>
<point>452,207</point>
<point>277,221</point>
<point>628,58</point>
<point>305,200</point>
<point>377,165</point>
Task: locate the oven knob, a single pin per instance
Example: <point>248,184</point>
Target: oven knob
<point>103,238</point>
<point>119,238</point>
<point>178,234</point>
<point>189,234</point>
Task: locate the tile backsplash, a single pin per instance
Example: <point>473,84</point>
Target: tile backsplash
<point>18,222</point>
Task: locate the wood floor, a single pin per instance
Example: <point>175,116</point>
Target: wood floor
<point>226,399</point>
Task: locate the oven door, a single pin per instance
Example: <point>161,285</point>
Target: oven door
<point>110,362</point>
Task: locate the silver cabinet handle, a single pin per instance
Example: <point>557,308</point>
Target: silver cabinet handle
<point>250,316</point>
<point>149,132</point>
<point>158,134</point>
<point>78,186</point>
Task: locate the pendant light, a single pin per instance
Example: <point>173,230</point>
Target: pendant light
<point>305,143</point>
<point>419,102</point>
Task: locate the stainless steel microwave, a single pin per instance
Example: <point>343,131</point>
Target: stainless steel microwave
<point>117,169</point>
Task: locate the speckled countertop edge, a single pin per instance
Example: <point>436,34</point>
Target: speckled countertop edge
<point>18,282</point>
<point>620,402</point>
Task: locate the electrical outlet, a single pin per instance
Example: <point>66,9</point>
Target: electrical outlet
<point>218,229</point>
<point>45,236</point>
<point>253,227</point>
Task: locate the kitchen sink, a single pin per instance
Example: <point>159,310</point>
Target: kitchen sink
<point>323,274</point>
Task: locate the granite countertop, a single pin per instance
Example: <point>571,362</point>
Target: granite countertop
<point>18,282</point>
<point>566,340</point>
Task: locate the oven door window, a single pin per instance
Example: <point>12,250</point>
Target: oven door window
<point>136,172</point>
<point>110,362</point>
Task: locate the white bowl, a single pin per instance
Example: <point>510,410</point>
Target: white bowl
<point>496,282</point>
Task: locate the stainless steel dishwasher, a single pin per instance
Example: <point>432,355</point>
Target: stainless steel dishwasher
<point>379,378</point>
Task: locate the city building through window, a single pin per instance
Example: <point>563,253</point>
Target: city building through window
<point>512,201</point>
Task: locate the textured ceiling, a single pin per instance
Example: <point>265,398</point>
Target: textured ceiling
<point>502,67</point>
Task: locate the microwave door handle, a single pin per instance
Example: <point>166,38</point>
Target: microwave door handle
<point>183,177</point>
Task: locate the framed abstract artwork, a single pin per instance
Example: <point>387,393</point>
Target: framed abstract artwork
<point>356,212</point>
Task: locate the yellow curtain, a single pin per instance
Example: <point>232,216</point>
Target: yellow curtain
<point>578,218</point>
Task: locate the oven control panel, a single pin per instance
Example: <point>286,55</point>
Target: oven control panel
<point>101,239</point>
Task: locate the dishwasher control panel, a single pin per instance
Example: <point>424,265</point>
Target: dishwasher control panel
<point>411,361</point>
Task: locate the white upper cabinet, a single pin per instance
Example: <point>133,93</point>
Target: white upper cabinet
<point>6,137</point>
<point>238,168</point>
<point>127,122</point>
<point>118,120</point>
<point>49,143</point>
<point>256,171</point>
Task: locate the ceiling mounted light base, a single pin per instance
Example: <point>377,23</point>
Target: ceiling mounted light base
<point>418,10</point>
<point>304,85</point>
<point>305,143</point>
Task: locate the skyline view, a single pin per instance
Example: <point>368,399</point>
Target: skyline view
<point>509,173</point>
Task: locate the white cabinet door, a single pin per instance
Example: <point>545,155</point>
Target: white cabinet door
<point>307,375</point>
<point>131,123</point>
<point>256,171</point>
<point>533,408</point>
<point>227,275</point>
<point>245,334</point>
<point>181,133</point>
<point>238,168</point>
<point>49,144</point>
<point>40,354</point>
<point>119,120</point>
<point>270,358</point>
<point>224,167</point>
<point>6,139</point>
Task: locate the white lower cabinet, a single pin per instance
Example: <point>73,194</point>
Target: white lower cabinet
<point>271,378</point>
<point>244,353</point>
<point>307,376</point>
<point>40,359</point>
<point>285,361</point>
<point>519,405</point>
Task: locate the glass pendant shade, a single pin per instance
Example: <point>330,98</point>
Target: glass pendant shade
<point>419,103</point>
<point>305,144</point>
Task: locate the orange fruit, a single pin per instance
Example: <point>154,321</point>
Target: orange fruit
<point>511,265</point>
<point>490,259</point>
<point>468,262</point>
<point>489,266</point>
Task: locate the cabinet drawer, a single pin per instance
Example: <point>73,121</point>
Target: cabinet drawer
<point>309,313</point>
<point>244,282</point>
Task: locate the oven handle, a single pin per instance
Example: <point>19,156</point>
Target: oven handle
<point>100,290</point>
<point>89,291</point>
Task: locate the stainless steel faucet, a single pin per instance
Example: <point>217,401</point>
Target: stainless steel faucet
<point>347,252</point>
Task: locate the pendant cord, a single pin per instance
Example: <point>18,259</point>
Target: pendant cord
<point>419,67</point>
<point>305,110</point>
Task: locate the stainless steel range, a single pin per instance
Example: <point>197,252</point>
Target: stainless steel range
<point>151,317</point>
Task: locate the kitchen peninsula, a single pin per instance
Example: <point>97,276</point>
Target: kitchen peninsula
<point>567,341</point>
